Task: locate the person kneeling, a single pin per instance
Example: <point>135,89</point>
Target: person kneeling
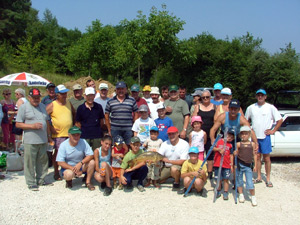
<point>75,157</point>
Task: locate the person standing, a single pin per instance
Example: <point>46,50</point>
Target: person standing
<point>102,99</point>
<point>146,93</point>
<point>135,93</point>
<point>155,102</point>
<point>51,94</point>
<point>262,115</point>
<point>183,96</point>
<point>33,119</point>
<point>78,99</point>
<point>164,93</point>
<point>217,100</point>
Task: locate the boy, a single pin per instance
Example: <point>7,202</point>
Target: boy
<point>142,125</point>
<point>163,122</point>
<point>137,172</point>
<point>190,169</point>
<point>227,166</point>
<point>118,152</point>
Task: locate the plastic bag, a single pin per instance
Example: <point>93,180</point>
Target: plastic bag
<point>14,162</point>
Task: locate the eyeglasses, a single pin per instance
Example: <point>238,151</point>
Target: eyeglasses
<point>7,94</point>
<point>205,97</point>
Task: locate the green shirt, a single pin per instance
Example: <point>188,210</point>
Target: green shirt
<point>130,156</point>
<point>76,103</point>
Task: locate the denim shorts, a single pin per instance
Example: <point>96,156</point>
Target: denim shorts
<point>242,169</point>
<point>225,173</point>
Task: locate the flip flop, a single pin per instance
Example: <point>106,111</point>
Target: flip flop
<point>269,184</point>
<point>57,177</point>
<point>257,181</point>
<point>90,186</point>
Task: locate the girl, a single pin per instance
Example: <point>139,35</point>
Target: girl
<point>118,153</point>
<point>198,137</point>
<point>102,158</point>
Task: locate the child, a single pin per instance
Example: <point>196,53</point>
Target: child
<point>190,169</point>
<point>163,122</point>
<point>227,166</point>
<point>153,144</point>
<point>137,172</point>
<point>245,152</point>
<point>102,157</point>
<point>198,137</point>
<point>117,154</point>
<point>142,125</point>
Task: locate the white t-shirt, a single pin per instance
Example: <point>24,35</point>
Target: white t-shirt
<point>262,117</point>
<point>153,110</point>
<point>142,127</point>
<point>171,152</point>
<point>148,100</point>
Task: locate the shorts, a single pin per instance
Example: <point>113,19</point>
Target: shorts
<point>116,172</point>
<point>225,173</point>
<point>201,156</point>
<point>264,145</point>
<point>153,171</point>
<point>94,143</point>
<point>166,171</point>
<point>62,170</point>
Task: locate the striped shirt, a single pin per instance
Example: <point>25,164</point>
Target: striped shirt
<point>121,113</point>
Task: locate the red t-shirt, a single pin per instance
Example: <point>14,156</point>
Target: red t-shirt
<point>228,151</point>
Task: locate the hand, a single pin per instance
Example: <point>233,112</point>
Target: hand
<point>231,169</point>
<point>254,169</point>
<point>166,160</point>
<point>37,126</point>
<point>222,151</point>
<point>128,170</point>
<point>169,109</point>
<point>269,132</point>
<point>76,168</point>
<point>123,180</point>
<point>195,174</point>
<point>182,134</point>
<point>256,148</point>
<point>235,153</point>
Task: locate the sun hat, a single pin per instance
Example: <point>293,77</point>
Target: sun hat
<point>103,86</point>
<point>74,130</point>
<point>76,87</point>
<point>154,90</point>
<point>194,150</point>
<point>147,88</point>
<point>61,89</point>
<point>218,86</point>
<point>262,91</point>
<point>196,119</point>
<point>89,91</point>
<point>172,130</point>
<point>226,91</point>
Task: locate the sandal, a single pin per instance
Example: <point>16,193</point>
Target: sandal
<point>257,181</point>
<point>57,177</point>
<point>269,184</point>
<point>90,186</point>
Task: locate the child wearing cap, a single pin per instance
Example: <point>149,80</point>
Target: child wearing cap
<point>245,153</point>
<point>142,125</point>
<point>192,168</point>
<point>198,137</point>
<point>153,144</point>
<point>163,122</point>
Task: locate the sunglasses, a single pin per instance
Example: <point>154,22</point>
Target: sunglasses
<point>7,94</point>
<point>205,97</point>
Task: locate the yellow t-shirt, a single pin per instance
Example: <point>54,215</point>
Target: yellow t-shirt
<point>188,167</point>
<point>61,117</point>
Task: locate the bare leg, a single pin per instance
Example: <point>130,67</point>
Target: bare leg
<point>258,166</point>
<point>267,160</point>
<point>175,173</point>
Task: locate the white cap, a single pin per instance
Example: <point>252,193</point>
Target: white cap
<point>226,91</point>
<point>160,106</point>
<point>89,91</point>
<point>154,90</point>
<point>103,86</point>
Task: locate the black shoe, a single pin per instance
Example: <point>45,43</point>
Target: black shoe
<point>182,191</point>
<point>107,191</point>
<point>69,184</point>
<point>176,187</point>
<point>103,185</point>
<point>210,175</point>
<point>84,178</point>
<point>129,186</point>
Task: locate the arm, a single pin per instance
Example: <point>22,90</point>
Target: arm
<point>215,127</point>
<point>96,158</point>
<point>231,162</point>
<point>73,113</point>
<point>205,137</point>
<point>278,124</point>
<point>107,122</point>
<point>185,125</point>
<point>190,139</point>
<point>25,126</point>
<point>135,116</point>
<point>196,110</point>
<point>65,165</point>
<point>137,166</point>
<point>217,113</point>
<point>255,157</point>
<point>174,162</point>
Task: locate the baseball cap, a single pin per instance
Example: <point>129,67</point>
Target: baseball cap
<point>261,91</point>
<point>34,92</point>
<point>234,103</point>
<point>135,140</point>
<point>147,88</point>
<point>194,150</point>
<point>154,90</point>
<point>103,86</point>
<point>118,140</point>
<point>197,92</point>
<point>143,108</point>
<point>61,89</point>
<point>154,128</point>
<point>172,130</point>
<point>77,87</point>
<point>74,130</point>
<point>50,85</point>
<point>89,91</point>
<point>161,106</point>
<point>135,87</point>
<point>226,91</point>
<point>218,86</point>
<point>121,84</point>
<point>173,88</point>
<point>231,131</point>
<point>245,128</point>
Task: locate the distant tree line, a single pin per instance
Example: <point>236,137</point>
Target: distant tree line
<point>145,50</point>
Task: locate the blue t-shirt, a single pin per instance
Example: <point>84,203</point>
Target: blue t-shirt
<point>73,155</point>
<point>216,102</point>
<point>163,125</point>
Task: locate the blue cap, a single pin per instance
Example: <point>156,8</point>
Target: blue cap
<point>194,150</point>
<point>234,103</point>
<point>121,84</point>
<point>218,86</point>
<point>261,91</point>
<point>61,89</point>
<point>154,128</point>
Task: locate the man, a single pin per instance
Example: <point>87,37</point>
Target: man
<point>34,120</point>
<point>51,94</point>
<point>78,99</point>
<point>62,116</point>
<point>175,151</point>
<point>217,100</point>
<point>182,95</point>
<point>155,102</point>
<point>178,110</point>
<point>102,99</point>
<point>75,157</point>
<point>91,83</point>
<point>146,93</point>
<point>120,113</point>
<point>90,119</point>
<point>164,93</point>
<point>262,115</point>
<point>135,93</point>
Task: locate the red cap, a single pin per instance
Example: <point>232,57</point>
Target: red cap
<point>172,130</point>
<point>34,92</point>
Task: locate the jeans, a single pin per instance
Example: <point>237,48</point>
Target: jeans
<point>242,169</point>
<point>126,134</point>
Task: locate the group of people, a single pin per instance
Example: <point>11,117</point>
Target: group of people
<point>101,137</point>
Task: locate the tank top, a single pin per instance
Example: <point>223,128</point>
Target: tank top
<point>208,120</point>
<point>104,158</point>
<point>5,109</point>
<point>61,117</point>
<point>245,153</point>
<point>231,123</point>
<point>221,109</point>
<point>198,140</point>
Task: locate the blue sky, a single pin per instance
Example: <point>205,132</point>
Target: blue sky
<point>277,22</point>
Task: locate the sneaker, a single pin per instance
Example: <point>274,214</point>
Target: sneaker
<point>129,187</point>
<point>115,186</point>
<point>33,187</point>
<point>120,187</point>
<point>225,195</point>
<point>218,194</point>
<point>107,191</point>
<point>176,187</point>
<point>241,198</point>
<point>253,201</point>
<point>103,185</point>
<point>140,188</point>
<point>182,191</point>
<point>69,184</point>
<point>210,175</point>
<point>203,193</point>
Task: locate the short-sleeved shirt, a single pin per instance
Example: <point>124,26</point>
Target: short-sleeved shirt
<point>163,125</point>
<point>188,167</point>
<point>73,154</point>
<point>177,152</point>
<point>153,110</point>
<point>180,109</point>
<point>142,127</point>
<point>76,103</point>
<point>102,102</point>
<point>29,114</point>
<point>129,156</point>
<point>121,112</point>
<point>90,121</point>
<point>262,118</point>
<point>153,144</point>
<point>47,100</point>
<point>228,152</point>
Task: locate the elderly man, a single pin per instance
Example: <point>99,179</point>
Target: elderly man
<point>51,94</point>
<point>262,115</point>
<point>75,157</point>
<point>155,102</point>
<point>175,151</point>
<point>217,100</point>
<point>102,99</point>
<point>34,120</point>
<point>178,110</point>
<point>78,99</point>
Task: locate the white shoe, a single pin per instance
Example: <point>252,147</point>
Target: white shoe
<point>253,201</point>
<point>241,198</point>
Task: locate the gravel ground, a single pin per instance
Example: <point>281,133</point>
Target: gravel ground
<point>58,205</point>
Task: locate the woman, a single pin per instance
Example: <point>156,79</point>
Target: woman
<point>207,111</point>
<point>8,108</point>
